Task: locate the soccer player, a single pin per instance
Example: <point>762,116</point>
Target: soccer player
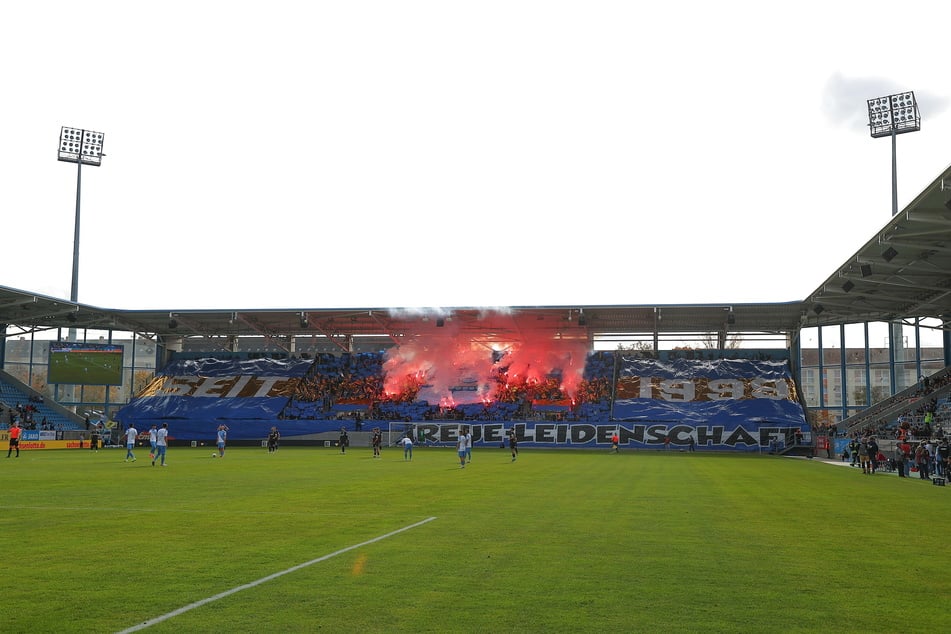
<point>161,444</point>
<point>15,432</point>
<point>513,443</point>
<point>461,450</point>
<point>468,445</point>
<point>153,432</point>
<point>222,440</point>
<point>131,433</point>
<point>407,443</point>
<point>344,440</point>
<point>272,439</point>
<point>377,441</point>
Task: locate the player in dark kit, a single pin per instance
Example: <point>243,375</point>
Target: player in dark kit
<point>377,441</point>
<point>272,439</point>
<point>513,443</point>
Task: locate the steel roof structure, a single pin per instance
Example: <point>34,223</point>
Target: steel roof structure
<point>902,273</point>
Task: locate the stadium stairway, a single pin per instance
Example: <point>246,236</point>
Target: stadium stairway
<point>14,392</point>
<point>891,408</point>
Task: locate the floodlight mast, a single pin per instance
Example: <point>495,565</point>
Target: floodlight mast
<point>891,116</point>
<point>79,147</point>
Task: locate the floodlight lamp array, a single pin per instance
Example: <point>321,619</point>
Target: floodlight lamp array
<point>894,114</point>
<point>80,146</point>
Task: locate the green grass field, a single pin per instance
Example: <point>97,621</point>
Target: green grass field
<point>559,541</point>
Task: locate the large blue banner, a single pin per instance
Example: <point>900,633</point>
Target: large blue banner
<point>724,403</point>
<point>708,404</point>
<point>196,395</point>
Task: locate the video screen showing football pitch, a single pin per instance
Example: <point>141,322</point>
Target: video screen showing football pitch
<point>85,363</point>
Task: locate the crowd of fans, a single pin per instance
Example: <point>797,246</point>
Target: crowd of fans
<point>347,385</point>
<point>918,443</point>
<point>25,415</point>
<point>927,411</point>
<point>924,458</point>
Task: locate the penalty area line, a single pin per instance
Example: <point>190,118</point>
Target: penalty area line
<point>227,593</point>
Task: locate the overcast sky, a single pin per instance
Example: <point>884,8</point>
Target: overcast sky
<point>384,154</point>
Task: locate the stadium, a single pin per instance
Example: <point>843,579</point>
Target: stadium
<point>575,535</point>
<point>727,466</point>
<point>727,377</point>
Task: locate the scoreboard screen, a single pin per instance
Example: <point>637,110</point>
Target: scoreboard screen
<point>85,363</point>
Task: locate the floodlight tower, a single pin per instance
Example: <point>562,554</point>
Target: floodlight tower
<point>82,147</point>
<point>891,116</point>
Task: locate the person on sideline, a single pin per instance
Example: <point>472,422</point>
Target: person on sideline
<point>153,432</point>
<point>899,460</point>
<point>15,432</point>
<point>615,442</point>
<point>863,458</point>
<point>513,443</point>
<point>921,460</point>
<point>461,450</point>
<point>161,444</point>
<point>344,440</point>
<point>273,438</point>
<point>407,443</point>
<point>222,440</point>
<point>131,433</point>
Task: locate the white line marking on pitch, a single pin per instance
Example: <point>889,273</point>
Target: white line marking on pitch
<point>227,593</point>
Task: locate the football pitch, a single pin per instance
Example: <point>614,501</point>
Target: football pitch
<point>307,539</point>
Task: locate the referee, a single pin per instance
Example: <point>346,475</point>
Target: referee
<point>14,439</point>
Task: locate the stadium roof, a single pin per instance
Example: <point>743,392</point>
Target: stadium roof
<point>903,272</point>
